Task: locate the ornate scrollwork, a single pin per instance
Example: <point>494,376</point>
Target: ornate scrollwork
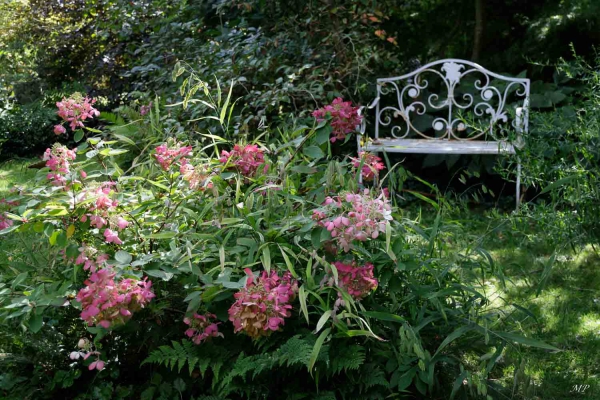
<point>454,99</point>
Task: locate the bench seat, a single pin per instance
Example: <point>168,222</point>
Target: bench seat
<point>441,146</point>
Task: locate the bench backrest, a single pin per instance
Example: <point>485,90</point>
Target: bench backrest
<point>451,99</point>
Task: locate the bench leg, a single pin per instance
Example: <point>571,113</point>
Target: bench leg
<point>518,186</point>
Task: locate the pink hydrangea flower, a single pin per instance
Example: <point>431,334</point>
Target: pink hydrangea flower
<point>353,217</point>
<point>371,165</point>
<point>201,327</point>
<point>106,302</point>
<point>357,281</point>
<point>59,129</point>
<point>99,365</point>
<point>5,222</point>
<point>89,257</point>
<point>165,155</point>
<point>344,118</point>
<point>198,177</point>
<point>76,109</point>
<point>112,237</point>
<point>262,305</point>
<point>58,160</point>
<point>122,223</point>
<point>246,160</point>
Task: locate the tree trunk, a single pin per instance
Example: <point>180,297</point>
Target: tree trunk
<point>478,30</point>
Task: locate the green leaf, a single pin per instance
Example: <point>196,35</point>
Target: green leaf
<point>165,276</point>
<point>314,152</point>
<point>61,239</point>
<point>18,280</point>
<point>323,320</point>
<point>302,298</point>
<point>226,104</point>
<point>113,152</point>
<point>303,169</point>
<point>288,262</point>
<point>123,257</point>
<point>406,379</point>
<point>93,130</point>
<point>266,258</point>
<point>35,323</point>
<point>179,385</point>
<point>317,349</point>
<point>78,135</point>
<point>384,316</point>
<point>558,183</point>
<point>513,337</point>
<point>454,335</point>
<point>53,238</point>
<point>162,235</point>
<point>323,134</point>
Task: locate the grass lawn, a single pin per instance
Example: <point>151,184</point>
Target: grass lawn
<point>561,289</point>
<point>15,172</point>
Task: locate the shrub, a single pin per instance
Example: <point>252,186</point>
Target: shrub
<point>26,130</point>
<point>330,291</point>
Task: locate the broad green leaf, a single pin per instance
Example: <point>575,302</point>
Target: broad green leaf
<point>18,280</point>
<point>61,239</point>
<point>35,323</point>
<point>123,257</point>
<point>314,152</point>
<point>78,135</point>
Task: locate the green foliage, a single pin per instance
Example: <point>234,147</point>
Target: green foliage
<point>416,331</point>
<point>25,130</point>
<point>561,161</point>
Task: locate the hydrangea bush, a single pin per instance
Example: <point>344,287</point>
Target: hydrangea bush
<point>262,263</point>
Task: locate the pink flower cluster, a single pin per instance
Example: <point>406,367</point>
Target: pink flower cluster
<point>165,155</point>
<point>105,302</point>
<point>58,160</point>
<point>371,165</point>
<point>75,110</point>
<point>145,109</point>
<point>344,118</point>
<point>89,257</point>
<point>86,346</point>
<point>197,176</point>
<point>354,217</point>
<point>246,160</point>
<point>6,222</point>
<point>201,327</point>
<point>358,281</point>
<point>102,207</point>
<point>262,305</point>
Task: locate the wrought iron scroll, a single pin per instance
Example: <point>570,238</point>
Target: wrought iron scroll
<point>448,105</point>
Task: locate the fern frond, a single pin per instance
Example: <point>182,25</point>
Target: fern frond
<point>371,376</point>
<point>348,358</point>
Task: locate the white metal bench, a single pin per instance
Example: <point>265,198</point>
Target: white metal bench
<point>449,106</point>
